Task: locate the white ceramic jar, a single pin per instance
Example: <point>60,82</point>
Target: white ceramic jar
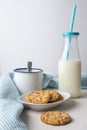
<point>27,81</point>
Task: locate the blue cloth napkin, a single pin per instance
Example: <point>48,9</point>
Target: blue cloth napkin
<point>11,109</point>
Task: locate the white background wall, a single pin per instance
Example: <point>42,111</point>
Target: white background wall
<point>32,30</point>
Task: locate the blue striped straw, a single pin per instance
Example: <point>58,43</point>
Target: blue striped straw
<point>72,18</point>
<point>71,28</point>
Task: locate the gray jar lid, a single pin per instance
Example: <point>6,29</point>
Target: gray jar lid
<point>25,70</point>
<point>29,69</point>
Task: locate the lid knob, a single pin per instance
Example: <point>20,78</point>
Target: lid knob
<point>29,66</point>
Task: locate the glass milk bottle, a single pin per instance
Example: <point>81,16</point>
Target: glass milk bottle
<point>69,66</point>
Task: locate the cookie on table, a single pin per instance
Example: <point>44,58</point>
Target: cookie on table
<point>38,97</point>
<point>55,118</point>
<point>54,96</point>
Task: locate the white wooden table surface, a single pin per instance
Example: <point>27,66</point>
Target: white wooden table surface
<point>77,108</point>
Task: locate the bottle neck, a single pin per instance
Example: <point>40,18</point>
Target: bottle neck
<point>71,50</point>
<point>71,39</point>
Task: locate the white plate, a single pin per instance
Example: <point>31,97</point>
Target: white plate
<point>41,107</point>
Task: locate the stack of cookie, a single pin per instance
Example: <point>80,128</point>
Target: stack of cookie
<point>43,97</point>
